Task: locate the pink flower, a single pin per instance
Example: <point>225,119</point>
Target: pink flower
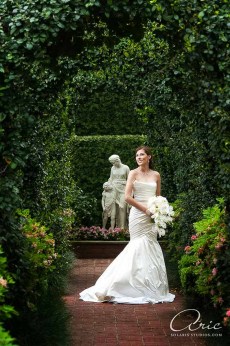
<point>228,313</point>
<point>3,282</point>
<point>218,246</point>
<point>212,292</point>
<point>198,263</point>
<point>214,271</point>
<point>187,248</point>
<point>194,237</point>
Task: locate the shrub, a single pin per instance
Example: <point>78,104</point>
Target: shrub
<point>204,268</point>
<point>98,233</point>
<point>188,209</point>
<point>60,222</point>
<point>40,279</point>
<point>39,257</point>
<point>6,311</point>
<point>5,338</point>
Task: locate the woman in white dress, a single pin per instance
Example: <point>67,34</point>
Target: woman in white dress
<point>138,274</point>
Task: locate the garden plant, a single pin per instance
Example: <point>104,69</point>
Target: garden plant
<point>204,268</point>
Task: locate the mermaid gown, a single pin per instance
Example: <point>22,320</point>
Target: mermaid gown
<point>138,274</point>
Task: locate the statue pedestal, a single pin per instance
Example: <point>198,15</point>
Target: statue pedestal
<point>102,248</point>
<point>98,248</point>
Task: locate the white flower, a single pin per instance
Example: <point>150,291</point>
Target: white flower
<point>162,213</point>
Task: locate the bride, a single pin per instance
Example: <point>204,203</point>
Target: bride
<point>138,274</point>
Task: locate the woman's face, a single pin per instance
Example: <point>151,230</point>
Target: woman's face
<point>142,158</point>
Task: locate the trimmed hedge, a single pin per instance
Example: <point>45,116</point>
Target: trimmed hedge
<point>105,113</point>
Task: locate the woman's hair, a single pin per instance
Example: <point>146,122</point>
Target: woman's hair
<point>147,150</point>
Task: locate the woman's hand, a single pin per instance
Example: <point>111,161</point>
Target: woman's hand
<point>148,212</point>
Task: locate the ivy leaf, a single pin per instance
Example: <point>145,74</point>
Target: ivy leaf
<point>13,165</point>
<point>29,46</point>
<point>201,14</point>
<point>2,117</point>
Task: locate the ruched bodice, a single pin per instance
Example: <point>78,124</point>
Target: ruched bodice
<point>144,227</point>
<point>144,190</point>
<point>138,273</point>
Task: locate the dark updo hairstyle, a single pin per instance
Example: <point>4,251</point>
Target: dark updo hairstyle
<point>147,150</point>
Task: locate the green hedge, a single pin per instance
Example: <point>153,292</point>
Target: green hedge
<point>103,113</point>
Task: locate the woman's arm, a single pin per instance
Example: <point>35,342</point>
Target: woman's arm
<point>129,193</point>
<point>158,191</point>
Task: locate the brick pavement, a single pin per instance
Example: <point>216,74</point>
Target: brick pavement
<point>106,324</point>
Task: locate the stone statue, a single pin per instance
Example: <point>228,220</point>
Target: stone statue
<point>108,205</point>
<point>118,177</point>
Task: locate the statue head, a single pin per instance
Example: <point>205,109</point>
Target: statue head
<point>115,160</point>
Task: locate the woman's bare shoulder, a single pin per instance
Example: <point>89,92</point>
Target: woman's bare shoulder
<point>156,173</point>
<point>133,173</point>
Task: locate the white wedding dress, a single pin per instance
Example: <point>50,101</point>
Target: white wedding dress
<point>138,274</point>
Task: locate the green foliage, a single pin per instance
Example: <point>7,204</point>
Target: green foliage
<point>200,85</point>
<point>6,339</point>
<point>49,166</point>
<point>49,186</point>
<point>39,257</point>
<point>177,237</point>
<point>39,272</point>
<point>188,208</point>
<point>6,311</point>
<point>94,114</point>
<point>204,268</point>
<point>5,281</point>
<point>47,326</point>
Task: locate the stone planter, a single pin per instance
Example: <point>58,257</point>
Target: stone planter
<point>100,248</point>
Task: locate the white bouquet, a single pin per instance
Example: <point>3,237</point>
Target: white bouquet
<point>161,212</point>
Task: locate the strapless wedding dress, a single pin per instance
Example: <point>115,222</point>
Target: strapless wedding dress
<point>138,274</point>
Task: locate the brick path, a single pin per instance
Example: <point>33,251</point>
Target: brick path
<point>106,324</point>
